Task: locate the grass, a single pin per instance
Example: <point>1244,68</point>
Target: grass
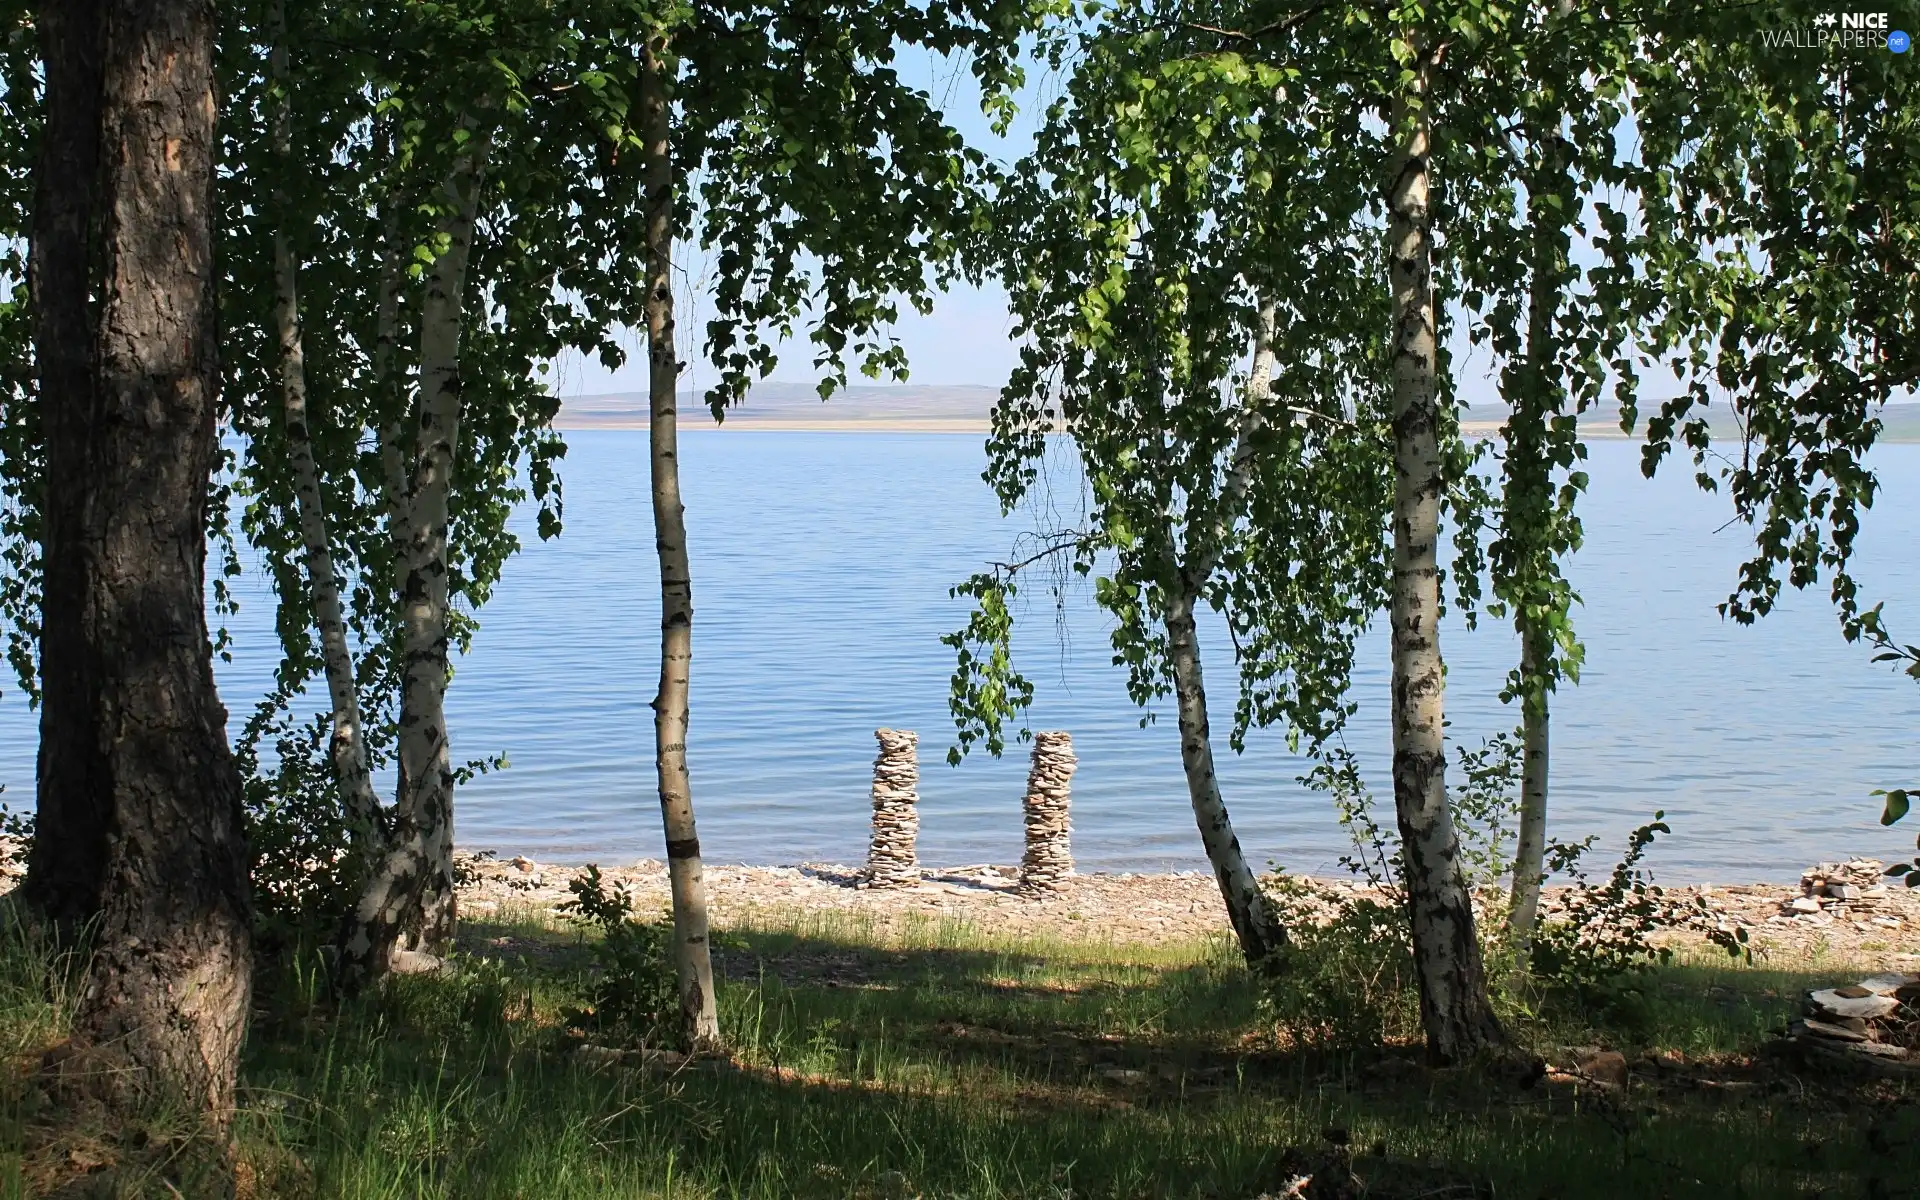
<point>929,1059</point>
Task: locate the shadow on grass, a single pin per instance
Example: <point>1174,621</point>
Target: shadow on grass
<point>1000,1072</point>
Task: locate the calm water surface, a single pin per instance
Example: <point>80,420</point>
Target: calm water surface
<point>821,569</point>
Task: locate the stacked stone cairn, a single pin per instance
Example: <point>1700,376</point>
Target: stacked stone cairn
<point>1850,890</point>
<point>1872,1023</point>
<point>891,859</point>
<point>1048,863</point>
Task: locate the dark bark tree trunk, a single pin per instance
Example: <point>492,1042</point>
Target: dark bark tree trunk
<point>68,866</point>
<point>692,955</point>
<point>165,1005</point>
<point>1454,1006</point>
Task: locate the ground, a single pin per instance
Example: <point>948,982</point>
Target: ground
<point>969,1044</point>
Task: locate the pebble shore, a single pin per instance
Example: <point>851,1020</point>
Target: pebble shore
<point>1783,921</point>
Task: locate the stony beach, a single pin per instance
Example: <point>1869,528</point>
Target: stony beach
<point>1782,920</point>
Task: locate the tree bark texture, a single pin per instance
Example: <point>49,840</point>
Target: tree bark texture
<point>1530,490</point>
<point>1454,1006</point>
<point>693,962</point>
<point>68,864</point>
<point>346,748</point>
<point>1253,921</point>
<point>1254,924</point>
<point>165,1004</point>
<point>408,904</point>
<point>1530,850</point>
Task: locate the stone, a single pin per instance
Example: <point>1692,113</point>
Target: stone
<point>1607,1067</point>
<point>1804,904</point>
<point>892,860</point>
<point>1888,984</point>
<point>1867,1008</point>
<point>1833,1031</point>
<point>1879,1050</point>
<point>1048,862</point>
<point>1844,891</point>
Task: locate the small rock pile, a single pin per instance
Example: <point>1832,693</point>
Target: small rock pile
<point>1851,890</point>
<point>1048,862</point>
<point>1873,1022</point>
<point>891,859</point>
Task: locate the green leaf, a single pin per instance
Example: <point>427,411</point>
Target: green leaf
<point>1896,805</point>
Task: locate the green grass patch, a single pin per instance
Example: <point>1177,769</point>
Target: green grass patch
<point>926,1058</point>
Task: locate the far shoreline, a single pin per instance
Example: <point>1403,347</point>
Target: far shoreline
<point>588,424</point>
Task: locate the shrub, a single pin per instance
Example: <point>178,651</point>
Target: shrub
<point>304,879</point>
<point>1601,937</point>
<point>632,994</point>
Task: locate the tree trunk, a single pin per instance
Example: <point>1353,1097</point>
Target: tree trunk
<point>346,749</point>
<point>1454,1006</point>
<point>165,1006</point>
<point>693,963</point>
<point>68,864</point>
<point>1529,860</point>
<point>1530,488</point>
<point>1253,921</point>
<point>408,904</point>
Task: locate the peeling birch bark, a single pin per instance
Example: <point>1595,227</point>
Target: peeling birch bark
<point>693,962</point>
<point>346,749</point>
<point>408,903</point>
<point>1454,1006</point>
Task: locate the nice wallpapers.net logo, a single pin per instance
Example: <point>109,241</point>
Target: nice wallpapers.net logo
<point>1842,31</point>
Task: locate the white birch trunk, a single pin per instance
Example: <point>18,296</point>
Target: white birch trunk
<point>693,964</point>
<point>1530,851</point>
<point>1254,924</point>
<point>346,748</point>
<point>1253,921</point>
<point>1454,1005</point>
<point>408,904</point>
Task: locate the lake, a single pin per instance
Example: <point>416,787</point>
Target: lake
<point>822,563</point>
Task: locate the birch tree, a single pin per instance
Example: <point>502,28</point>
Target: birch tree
<point>1779,260</point>
<point>1174,247</point>
<point>772,133</point>
<point>449,285</point>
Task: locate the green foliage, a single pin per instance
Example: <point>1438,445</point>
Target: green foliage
<point>1198,287</point>
<point>304,880</point>
<point>633,994</point>
<point>1347,982</point>
<point>1601,941</point>
<point>17,828</point>
<point>1778,253</point>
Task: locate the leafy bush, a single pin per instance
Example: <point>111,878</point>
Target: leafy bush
<point>1345,981</point>
<point>17,830</point>
<point>633,993</point>
<point>1602,934</point>
<point>304,879</point>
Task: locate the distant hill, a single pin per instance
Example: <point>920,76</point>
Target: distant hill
<point>966,409</point>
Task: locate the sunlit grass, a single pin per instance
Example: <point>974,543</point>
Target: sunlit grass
<point>931,1056</point>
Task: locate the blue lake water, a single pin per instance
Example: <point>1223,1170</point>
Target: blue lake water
<point>822,563</point>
